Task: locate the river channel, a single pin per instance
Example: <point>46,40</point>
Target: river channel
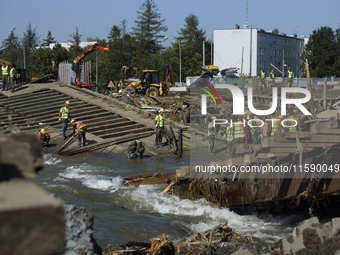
<point>124,214</point>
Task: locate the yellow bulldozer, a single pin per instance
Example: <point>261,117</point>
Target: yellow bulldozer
<point>150,84</point>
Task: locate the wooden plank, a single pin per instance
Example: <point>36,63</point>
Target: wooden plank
<point>325,138</point>
<point>322,128</point>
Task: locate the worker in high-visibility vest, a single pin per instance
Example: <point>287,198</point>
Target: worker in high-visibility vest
<point>64,116</point>
<point>294,122</point>
<point>239,135</point>
<point>280,128</point>
<point>264,130</point>
<point>230,137</point>
<point>136,146</point>
<point>254,132</point>
<point>44,137</point>
<point>82,129</point>
<point>272,78</point>
<point>11,77</point>
<point>159,122</point>
<point>4,75</point>
<point>290,77</point>
<point>263,79</point>
<point>211,135</point>
<point>273,125</point>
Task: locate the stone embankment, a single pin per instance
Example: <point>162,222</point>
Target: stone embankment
<point>31,220</point>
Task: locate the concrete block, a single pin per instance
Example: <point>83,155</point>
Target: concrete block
<point>31,221</point>
<point>335,231</point>
<point>20,156</point>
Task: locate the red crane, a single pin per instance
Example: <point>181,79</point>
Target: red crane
<point>77,61</point>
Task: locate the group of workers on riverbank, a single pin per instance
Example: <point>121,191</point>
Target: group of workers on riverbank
<point>8,74</point>
<point>80,129</point>
<point>241,131</point>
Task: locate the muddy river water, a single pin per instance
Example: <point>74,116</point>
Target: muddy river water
<point>124,214</point>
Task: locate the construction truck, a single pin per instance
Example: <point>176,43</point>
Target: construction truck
<point>77,68</point>
<point>149,83</point>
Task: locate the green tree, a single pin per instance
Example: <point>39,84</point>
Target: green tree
<point>276,31</point>
<point>10,48</point>
<point>322,52</point>
<point>49,39</point>
<point>191,38</point>
<point>147,34</point>
<point>191,34</point>
<point>75,48</point>
<point>30,42</point>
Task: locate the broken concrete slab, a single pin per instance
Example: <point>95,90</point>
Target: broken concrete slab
<point>20,156</point>
<point>31,221</point>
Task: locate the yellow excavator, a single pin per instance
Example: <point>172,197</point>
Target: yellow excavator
<point>150,84</point>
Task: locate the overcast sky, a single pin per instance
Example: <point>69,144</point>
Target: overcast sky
<point>97,17</point>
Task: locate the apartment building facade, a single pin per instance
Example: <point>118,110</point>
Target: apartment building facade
<point>251,49</point>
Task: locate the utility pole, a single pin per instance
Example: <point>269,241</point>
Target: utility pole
<point>97,68</point>
<point>242,62</point>
<point>283,66</point>
<point>211,46</point>
<point>251,51</point>
<point>203,53</point>
<point>23,44</point>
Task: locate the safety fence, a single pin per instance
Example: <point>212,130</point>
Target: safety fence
<point>68,76</point>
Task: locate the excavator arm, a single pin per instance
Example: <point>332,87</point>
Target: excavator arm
<point>94,47</point>
<point>169,78</point>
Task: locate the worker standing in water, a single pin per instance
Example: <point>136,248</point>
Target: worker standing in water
<point>159,122</point>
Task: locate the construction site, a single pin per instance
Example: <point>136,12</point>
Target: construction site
<point>296,168</point>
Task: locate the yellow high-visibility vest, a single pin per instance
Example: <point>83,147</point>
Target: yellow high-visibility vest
<point>239,131</point>
<point>160,121</point>
<point>263,75</point>
<point>230,135</point>
<point>64,113</point>
<point>212,131</point>
<point>4,70</point>
<point>11,73</point>
<point>290,74</point>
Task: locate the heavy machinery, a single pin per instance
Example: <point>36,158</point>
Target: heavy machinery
<point>150,83</point>
<point>76,64</point>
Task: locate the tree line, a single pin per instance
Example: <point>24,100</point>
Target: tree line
<point>145,41</point>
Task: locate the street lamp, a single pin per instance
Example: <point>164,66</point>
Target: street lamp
<point>180,61</point>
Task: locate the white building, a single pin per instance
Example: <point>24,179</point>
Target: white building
<point>260,49</point>
<point>67,45</point>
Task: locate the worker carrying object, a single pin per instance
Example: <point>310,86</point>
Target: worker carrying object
<point>137,146</point>
<point>64,116</point>
<point>4,72</point>
<point>11,77</point>
<point>159,122</point>
<point>44,137</point>
<point>82,129</point>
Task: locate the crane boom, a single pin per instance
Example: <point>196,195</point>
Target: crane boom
<point>94,47</point>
